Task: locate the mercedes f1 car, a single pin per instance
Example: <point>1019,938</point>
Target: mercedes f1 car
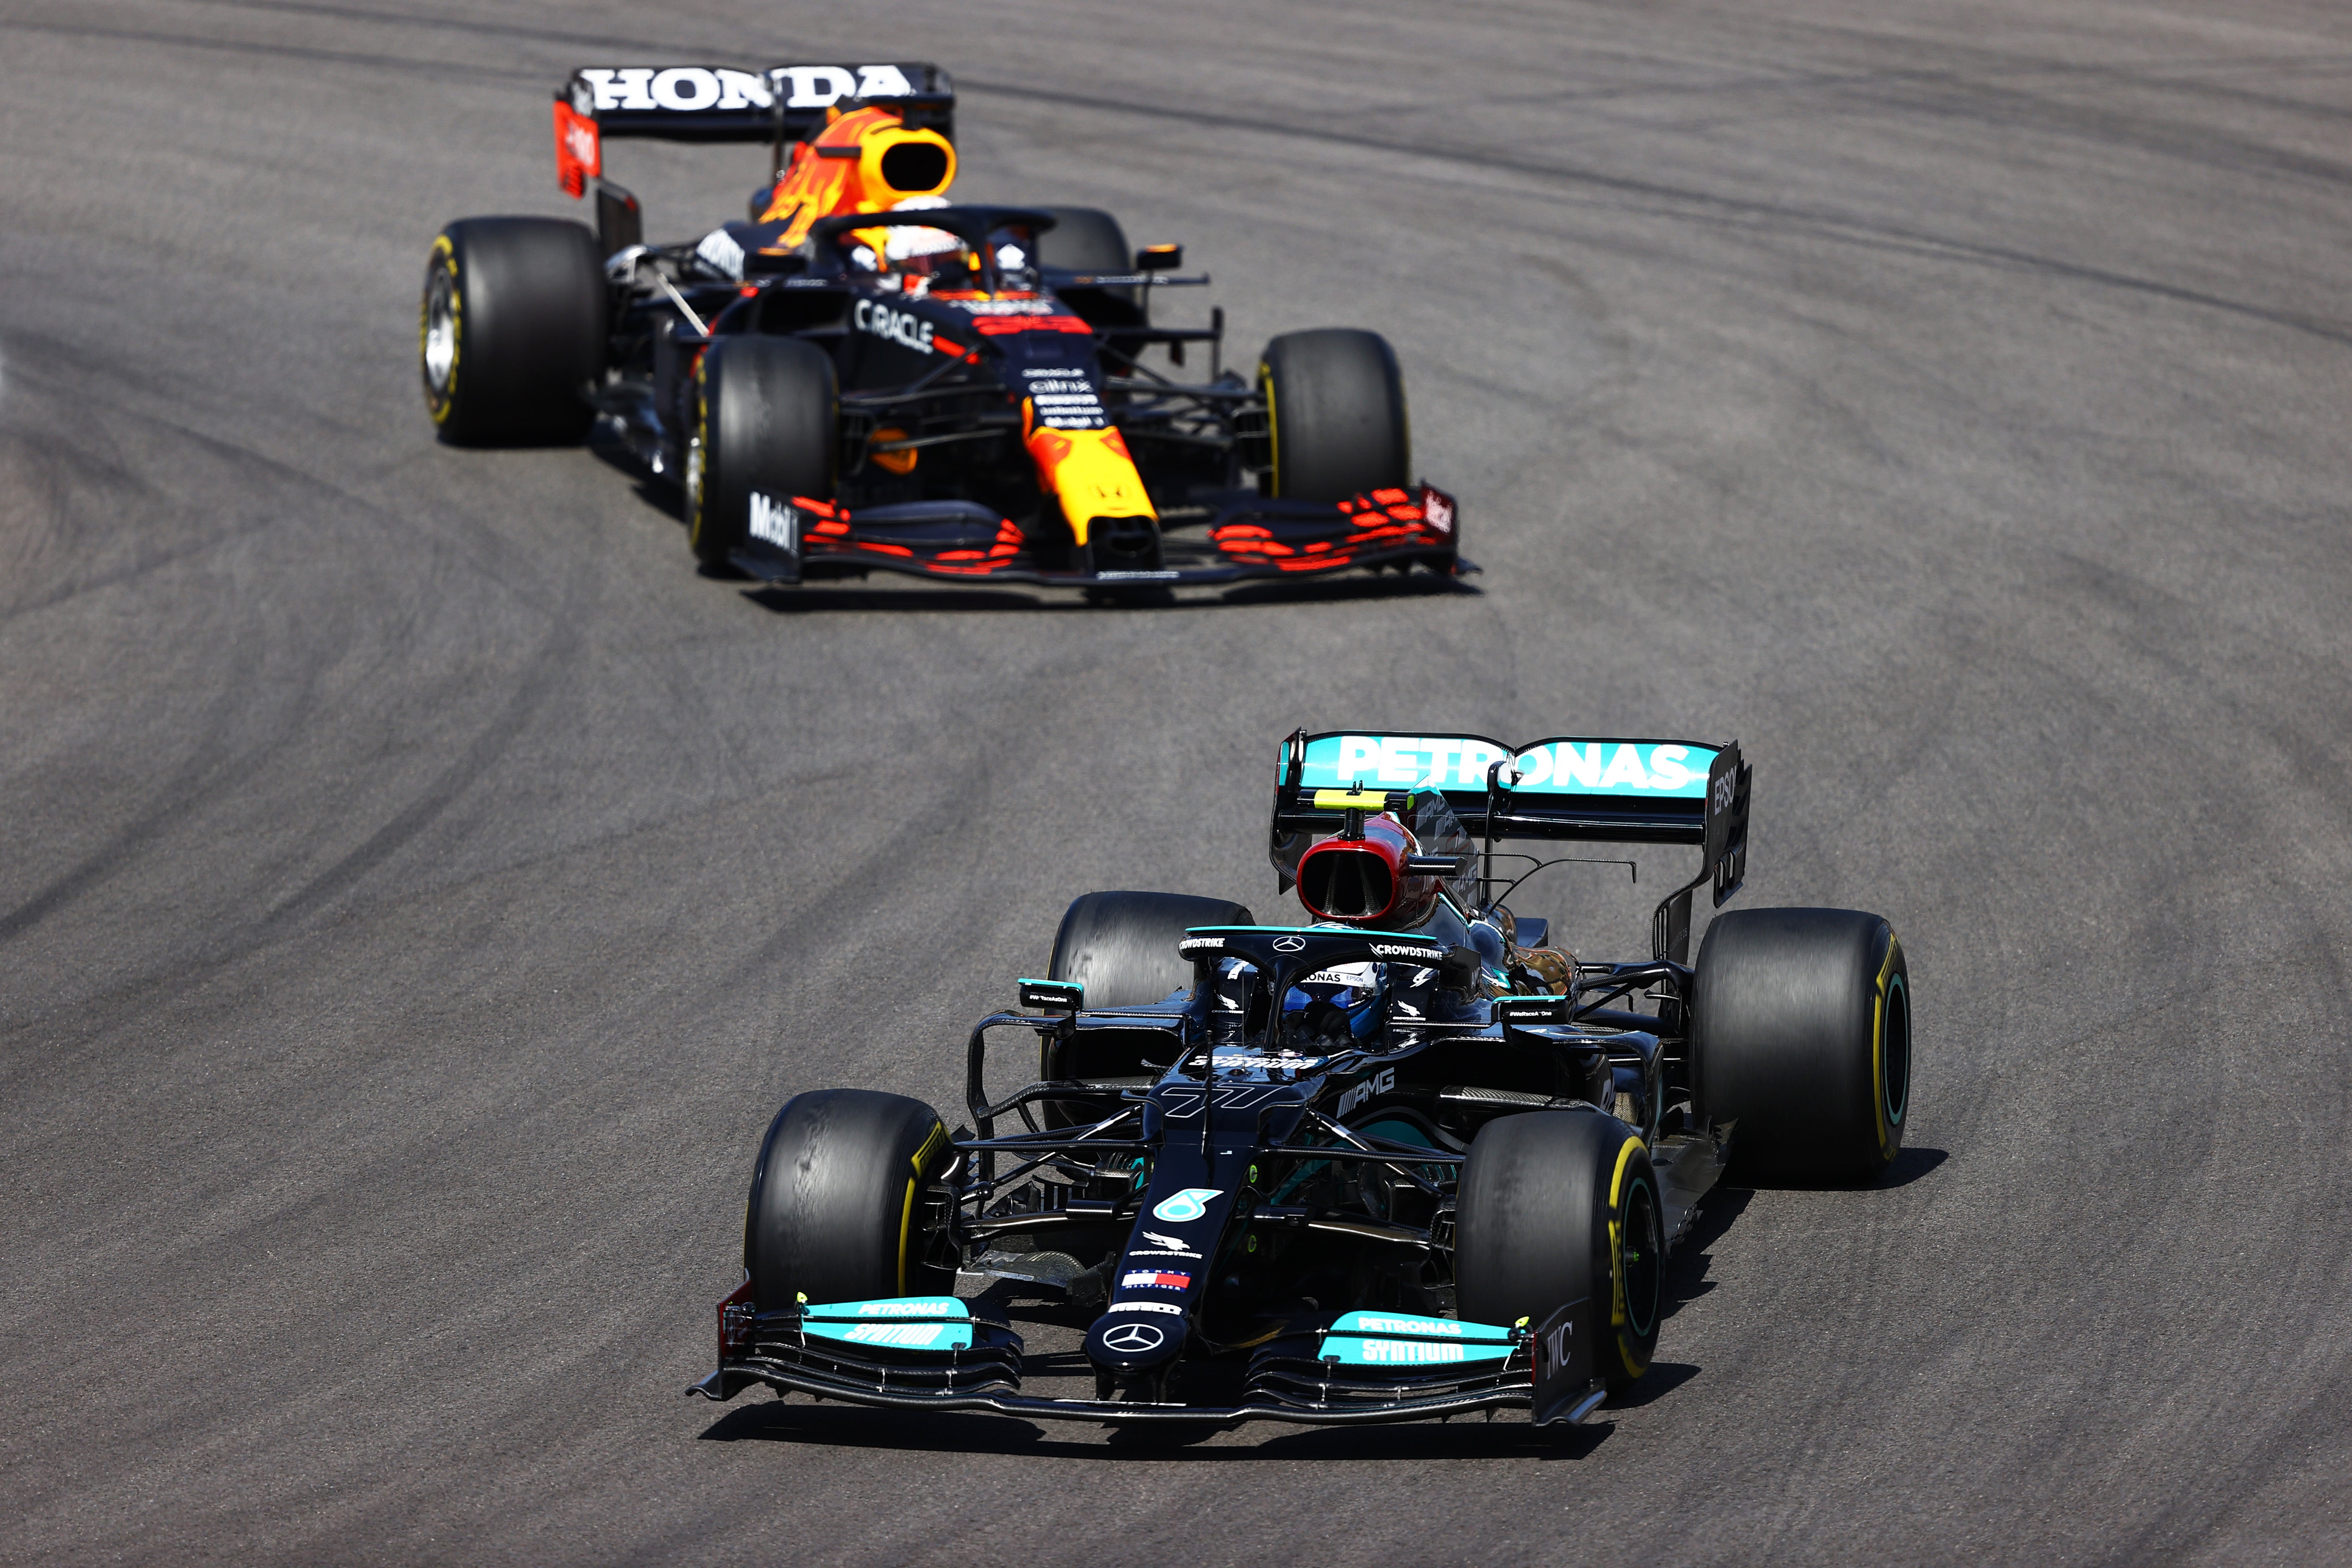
<point>1409,1160</point>
<point>863,377</point>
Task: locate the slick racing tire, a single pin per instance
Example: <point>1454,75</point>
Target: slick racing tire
<point>1801,1039</point>
<point>511,328</point>
<point>843,1204</point>
<point>1335,414</point>
<point>1122,946</point>
<point>766,414</point>
<point>1557,1206</point>
<point>1089,239</point>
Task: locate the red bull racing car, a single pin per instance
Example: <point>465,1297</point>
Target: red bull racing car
<point>1409,1160</point>
<point>862,374</point>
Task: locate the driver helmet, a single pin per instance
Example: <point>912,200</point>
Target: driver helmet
<point>922,258</point>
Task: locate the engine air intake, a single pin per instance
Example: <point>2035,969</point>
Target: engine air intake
<point>1346,882</point>
<point>915,166</point>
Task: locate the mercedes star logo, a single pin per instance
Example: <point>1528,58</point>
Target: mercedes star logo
<point>1290,944</point>
<point>1134,1339</point>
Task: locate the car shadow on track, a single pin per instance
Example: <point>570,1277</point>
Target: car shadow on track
<point>1908,1165</point>
<point>1686,1279</point>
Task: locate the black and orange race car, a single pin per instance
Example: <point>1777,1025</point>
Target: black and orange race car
<point>864,374</point>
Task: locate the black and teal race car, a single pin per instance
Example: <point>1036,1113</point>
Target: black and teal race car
<point>1408,1160</point>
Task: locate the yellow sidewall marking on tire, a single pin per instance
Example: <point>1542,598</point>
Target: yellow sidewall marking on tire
<point>1617,1314</point>
<point>939,1135</point>
<point>1878,1051</point>
<point>906,1218</point>
<point>1273,437</point>
<point>444,255</point>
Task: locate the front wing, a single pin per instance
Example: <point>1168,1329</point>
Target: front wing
<point>1547,1370</point>
<point>791,540</point>
<point>732,1378</point>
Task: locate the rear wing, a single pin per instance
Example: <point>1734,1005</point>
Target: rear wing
<point>1571,786</point>
<point>778,105</point>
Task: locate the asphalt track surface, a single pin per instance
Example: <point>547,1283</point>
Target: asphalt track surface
<point>419,887</point>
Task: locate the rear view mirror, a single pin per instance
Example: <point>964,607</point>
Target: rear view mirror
<point>1517,1014</point>
<point>1459,968</point>
<point>620,221</point>
<point>1158,258</point>
<point>1053,996</point>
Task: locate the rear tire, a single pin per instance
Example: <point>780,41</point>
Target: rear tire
<point>837,1210</point>
<point>1556,1207</point>
<point>1802,1022</point>
<point>767,410</point>
<point>511,327</point>
<point>1122,946</point>
<point>1335,415</point>
<point>1087,240</point>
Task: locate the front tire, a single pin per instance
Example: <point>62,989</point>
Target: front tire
<point>1801,1039</point>
<point>767,410</point>
<point>1089,239</point>
<point>1556,1207</point>
<point>512,326</point>
<point>1122,946</point>
<point>1335,414</point>
<point>838,1202</point>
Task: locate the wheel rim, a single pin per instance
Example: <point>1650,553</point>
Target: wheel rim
<point>1640,1258</point>
<point>1894,1091</point>
<point>440,335</point>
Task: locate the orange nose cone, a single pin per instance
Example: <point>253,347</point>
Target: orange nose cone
<point>1091,475</point>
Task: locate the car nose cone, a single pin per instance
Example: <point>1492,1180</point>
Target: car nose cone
<point>1125,1343</point>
